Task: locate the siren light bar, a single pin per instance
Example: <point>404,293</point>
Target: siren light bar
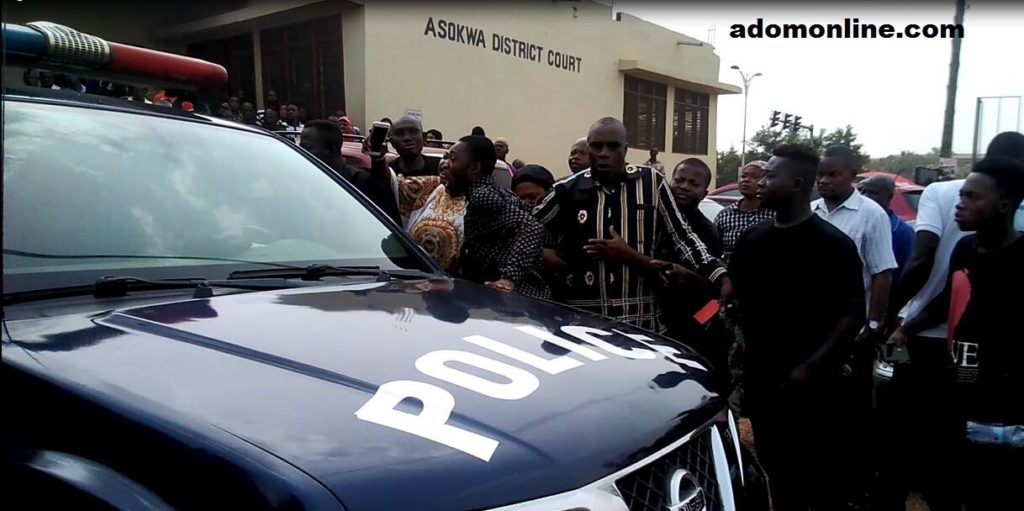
<point>48,45</point>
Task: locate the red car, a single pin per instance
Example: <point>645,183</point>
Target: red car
<point>904,201</point>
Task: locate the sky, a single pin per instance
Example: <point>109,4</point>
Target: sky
<point>892,91</point>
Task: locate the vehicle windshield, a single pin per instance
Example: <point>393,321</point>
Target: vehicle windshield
<point>88,182</point>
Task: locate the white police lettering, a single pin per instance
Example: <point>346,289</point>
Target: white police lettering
<point>521,383</point>
<point>669,352</point>
<point>587,334</point>
<point>550,366</point>
<point>431,423</point>
<point>544,335</point>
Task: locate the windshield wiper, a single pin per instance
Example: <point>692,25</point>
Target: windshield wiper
<point>37,255</point>
<point>317,271</point>
<point>113,286</point>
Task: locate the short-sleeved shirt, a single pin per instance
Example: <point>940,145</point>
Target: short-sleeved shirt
<point>988,340</point>
<point>643,212</point>
<point>733,221</point>
<point>790,285</point>
<point>867,224</point>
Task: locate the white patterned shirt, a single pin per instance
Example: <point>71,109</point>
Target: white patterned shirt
<point>868,225</point>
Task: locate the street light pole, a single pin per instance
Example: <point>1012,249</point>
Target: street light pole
<point>746,87</point>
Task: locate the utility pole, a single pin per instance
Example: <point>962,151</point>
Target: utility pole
<point>946,149</point>
<point>746,87</point>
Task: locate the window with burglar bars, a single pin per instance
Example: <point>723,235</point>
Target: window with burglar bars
<point>643,113</point>
<point>303,63</point>
<point>690,112</point>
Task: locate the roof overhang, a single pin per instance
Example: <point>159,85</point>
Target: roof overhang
<point>649,71</point>
<point>245,18</point>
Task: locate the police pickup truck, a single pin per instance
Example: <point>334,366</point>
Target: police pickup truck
<point>200,315</point>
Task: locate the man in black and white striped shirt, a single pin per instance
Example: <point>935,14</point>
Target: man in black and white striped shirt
<point>606,224</point>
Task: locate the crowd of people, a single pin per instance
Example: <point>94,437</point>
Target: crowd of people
<point>810,294</point>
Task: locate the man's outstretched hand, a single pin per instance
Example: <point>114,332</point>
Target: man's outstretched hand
<point>502,285</point>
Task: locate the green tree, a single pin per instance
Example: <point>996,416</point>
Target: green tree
<point>904,163</point>
<point>728,167</point>
<point>766,140</point>
<point>847,138</point>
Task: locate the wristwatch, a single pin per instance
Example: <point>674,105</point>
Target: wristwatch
<point>873,325</point>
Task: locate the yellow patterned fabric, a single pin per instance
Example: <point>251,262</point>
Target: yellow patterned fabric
<point>433,218</point>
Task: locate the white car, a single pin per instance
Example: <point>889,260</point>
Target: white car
<point>710,208</point>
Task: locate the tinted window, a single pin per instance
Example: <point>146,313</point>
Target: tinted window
<point>912,198</point>
<point>91,182</point>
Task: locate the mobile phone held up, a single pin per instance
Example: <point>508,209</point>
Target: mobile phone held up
<point>895,354</point>
<point>378,137</point>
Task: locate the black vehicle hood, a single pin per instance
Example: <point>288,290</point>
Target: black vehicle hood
<point>289,370</point>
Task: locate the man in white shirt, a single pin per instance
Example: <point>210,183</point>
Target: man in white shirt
<point>937,234</point>
<point>868,225</point>
<point>864,221</point>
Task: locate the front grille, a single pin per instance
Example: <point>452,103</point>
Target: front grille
<point>646,488</point>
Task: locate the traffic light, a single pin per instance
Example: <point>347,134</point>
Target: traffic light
<point>786,122</point>
<point>796,123</point>
<point>775,118</point>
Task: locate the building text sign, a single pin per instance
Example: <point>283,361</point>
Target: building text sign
<point>465,34</point>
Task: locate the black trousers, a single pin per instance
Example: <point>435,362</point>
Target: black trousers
<point>798,446</point>
<point>918,434</point>
<point>992,477</point>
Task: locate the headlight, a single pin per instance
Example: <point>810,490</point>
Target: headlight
<point>602,497</point>
<point>734,432</point>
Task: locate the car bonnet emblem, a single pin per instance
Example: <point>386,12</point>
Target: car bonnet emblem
<point>685,493</point>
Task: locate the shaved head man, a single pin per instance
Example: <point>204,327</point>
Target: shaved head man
<point>610,222</point>
<point>607,146</point>
<point>579,156</point>
<point>879,189</point>
<point>407,138</point>
<point>801,268</point>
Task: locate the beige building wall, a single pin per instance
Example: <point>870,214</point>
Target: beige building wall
<point>542,110</point>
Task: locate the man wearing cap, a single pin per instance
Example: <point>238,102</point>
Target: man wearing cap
<point>501,148</point>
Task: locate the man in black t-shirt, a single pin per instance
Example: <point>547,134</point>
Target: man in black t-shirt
<point>983,300</point>
<point>407,138</point>
<point>800,303</point>
<point>323,139</point>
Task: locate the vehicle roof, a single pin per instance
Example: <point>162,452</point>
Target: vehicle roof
<point>93,101</point>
